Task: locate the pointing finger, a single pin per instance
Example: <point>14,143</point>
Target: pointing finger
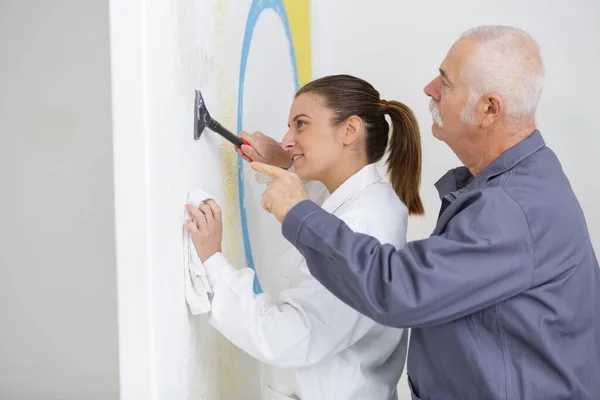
<point>272,171</point>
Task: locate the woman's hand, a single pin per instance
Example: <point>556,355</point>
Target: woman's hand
<point>206,229</point>
<point>264,149</point>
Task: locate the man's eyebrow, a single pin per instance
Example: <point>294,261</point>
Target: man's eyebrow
<point>298,116</point>
<point>444,75</point>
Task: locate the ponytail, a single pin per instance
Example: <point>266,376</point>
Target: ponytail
<point>404,161</point>
<point>346,96</point>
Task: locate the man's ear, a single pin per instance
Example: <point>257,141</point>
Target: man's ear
<point>353,128</point>
<point>490,109</point>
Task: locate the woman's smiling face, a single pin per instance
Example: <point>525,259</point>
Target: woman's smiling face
<point>316,146</point>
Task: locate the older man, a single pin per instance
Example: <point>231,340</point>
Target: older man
<point>504,296</point>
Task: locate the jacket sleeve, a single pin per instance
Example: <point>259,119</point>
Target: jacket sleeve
<point>483,256</point>
<point>305,325</point>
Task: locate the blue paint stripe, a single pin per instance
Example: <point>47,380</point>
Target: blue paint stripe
<point>256,8</point>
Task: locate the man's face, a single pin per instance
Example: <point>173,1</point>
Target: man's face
<point>449,95</point>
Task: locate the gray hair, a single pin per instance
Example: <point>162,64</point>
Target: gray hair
<point>505,61</point>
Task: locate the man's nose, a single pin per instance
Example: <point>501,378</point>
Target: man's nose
<point>432,91</point>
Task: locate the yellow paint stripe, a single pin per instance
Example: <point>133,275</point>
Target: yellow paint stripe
<point>298,12</point>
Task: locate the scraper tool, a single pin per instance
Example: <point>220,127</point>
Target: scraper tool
<point>202,120</point>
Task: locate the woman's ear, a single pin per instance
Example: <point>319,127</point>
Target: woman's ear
<point>353,128</point>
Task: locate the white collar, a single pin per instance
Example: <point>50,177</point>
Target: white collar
<point>351,187</point>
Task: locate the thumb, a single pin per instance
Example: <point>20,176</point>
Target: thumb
<point>272,171</point>
<point>251,152</point>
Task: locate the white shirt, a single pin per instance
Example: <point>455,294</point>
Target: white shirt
<point>318,347</point>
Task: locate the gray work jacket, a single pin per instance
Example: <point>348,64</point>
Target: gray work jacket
<point>503,297</point>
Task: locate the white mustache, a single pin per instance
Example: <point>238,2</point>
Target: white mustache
<point>435,113</point>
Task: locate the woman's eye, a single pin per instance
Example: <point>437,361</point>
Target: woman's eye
<point>301,124</point>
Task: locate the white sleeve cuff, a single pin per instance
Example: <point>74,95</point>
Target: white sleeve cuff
<point>218,269</point>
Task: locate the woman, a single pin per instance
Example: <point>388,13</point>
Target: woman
<point>323,348</point>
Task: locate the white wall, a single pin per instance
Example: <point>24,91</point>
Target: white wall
<point>398,46</point>
<point>161,53</point>
<point>58,295</point>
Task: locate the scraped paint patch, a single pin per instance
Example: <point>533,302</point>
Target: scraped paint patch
<point>232,357</point>
<point>295,17</point>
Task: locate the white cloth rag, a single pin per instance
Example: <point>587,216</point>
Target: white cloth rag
<point>197,289</point>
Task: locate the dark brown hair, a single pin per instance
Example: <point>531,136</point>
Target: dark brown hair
<point>346,96</point>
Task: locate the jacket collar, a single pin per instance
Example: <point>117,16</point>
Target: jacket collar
<point>460,180</point>
<point>351,187</point>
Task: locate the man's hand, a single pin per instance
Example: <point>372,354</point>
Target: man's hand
<point>264,149</point>
<point>284,192</point>
<point>206,229</point>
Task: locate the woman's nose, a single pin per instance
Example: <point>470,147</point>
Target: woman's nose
<point>288,141</point>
